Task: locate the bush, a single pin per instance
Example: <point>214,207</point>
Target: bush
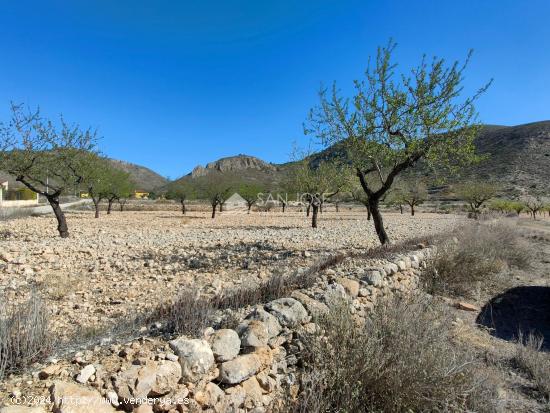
<point>190,313</point>
<point>536,364</point>
<point>472,257</point>
<point>401,360</point>
<point>24,334</point>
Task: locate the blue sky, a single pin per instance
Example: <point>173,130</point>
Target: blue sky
<point>173,84</point>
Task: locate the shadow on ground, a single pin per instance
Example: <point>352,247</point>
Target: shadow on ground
<point>525,309</point>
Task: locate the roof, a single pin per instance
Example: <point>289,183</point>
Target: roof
<point>235,199</point>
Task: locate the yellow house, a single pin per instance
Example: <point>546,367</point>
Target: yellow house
<point>139,194</point>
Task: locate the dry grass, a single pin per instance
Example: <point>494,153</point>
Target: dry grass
<point>190,314</point>
<point>24,334</point>
<point>402,360</point>
<point>535,363</point>
<point>472,259</point>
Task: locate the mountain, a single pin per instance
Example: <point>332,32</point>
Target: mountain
<point>144,178</point>
<point>517,157</point>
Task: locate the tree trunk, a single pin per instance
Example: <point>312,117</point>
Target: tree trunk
<point>308,208</point>
<point>314,216</point>
<point>183,207</point>
<point>378,222</point>
<point>321,207</point>
<point>412,210</point>
<point>110,206</point>
<point>337,207</point>
<point>96,204</point>
<point>284,206</point>
<point>249,206</point>
<point>401,208</point>
<point>60,216</point>
<point>122,204</point>
<point>213,211</point>
<point>221,207</point>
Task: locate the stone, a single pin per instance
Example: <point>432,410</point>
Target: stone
<point>314,307</point>
<point>225,344</point>
<point>401,265</point>
<point>253,392</point>
<point>351,286</point>
<point>288,311</point>
<point>391,268</point>
<point>210,396</point>
<point>253,333</point>
<point>49,371</point>
<point>373,278</point>
<point>461,305</point>
<point>75,398</point>
<point>273,326</point>
<point>245,366</point>
<point>195,356</point>
<point>150,380</point>
<point>85,374</point>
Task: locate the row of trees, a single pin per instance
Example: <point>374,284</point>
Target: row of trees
<point>56,158</point>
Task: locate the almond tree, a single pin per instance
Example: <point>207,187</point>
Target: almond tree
<point>96,177</point>
<point>414,194</point>
<point>476,194</point>
<point>250,192</point>
<point>318,183</point>
<point>119,188</point>
<point>181,193</point>
<point>534,204</point>
<point>45,157</point>
<point>394,120</point>
<point>214,187</point>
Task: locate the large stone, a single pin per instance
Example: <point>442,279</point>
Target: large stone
<point>288,311</point>
<point>151,380</point>
<point>273,326</point>
<point>390,268</point>
<point>85,374</point>
<point>315,308</point>
<point>195,356</point>
<point>225,344</point>
<point>253,333</point>
<point>351,286</point>
<point>373,278</point>
<point>74,398</point>
<point>210,396</point>
<point>245,366</point>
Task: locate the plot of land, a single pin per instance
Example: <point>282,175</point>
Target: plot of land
<point>127,262</point>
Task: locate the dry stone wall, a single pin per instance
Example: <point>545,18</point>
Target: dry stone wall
<point>240,369</point>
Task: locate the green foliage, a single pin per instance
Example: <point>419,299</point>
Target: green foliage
<point>476,193</point>
<point>250,192</point>
<point>47,158</point>
<point>179,191</point>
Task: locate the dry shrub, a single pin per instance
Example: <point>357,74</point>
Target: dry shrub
<point>473,257</point>
<point>401,360</point>
<point>535,363</point>
<point>24,334</point>
<point>190,313</point>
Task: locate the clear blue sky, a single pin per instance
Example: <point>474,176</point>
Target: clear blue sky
<point>173,84</point>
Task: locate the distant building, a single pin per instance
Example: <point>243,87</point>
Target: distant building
<point>17,196</point>
<point>235,203</point>
<point>139,194</point>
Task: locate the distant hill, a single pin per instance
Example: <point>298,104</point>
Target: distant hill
<point>518,158</point>
<point>144,178</point>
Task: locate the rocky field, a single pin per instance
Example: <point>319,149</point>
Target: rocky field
<point>126,262</point>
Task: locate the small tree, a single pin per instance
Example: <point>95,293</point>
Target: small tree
<point>476,194</point>
<point>534,204</point>
<point>318,183</point>
<point>359,195</point>
<point>180,192</point>
<point>395,120</point>
<point>214,187</point>
<point>250,192</point>
<point>46,158</point>
<point>414,194</point>
<point>119,188</point>
<point>96,177</point>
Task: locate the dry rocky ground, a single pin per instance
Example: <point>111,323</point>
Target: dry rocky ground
<point>132,261</point>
